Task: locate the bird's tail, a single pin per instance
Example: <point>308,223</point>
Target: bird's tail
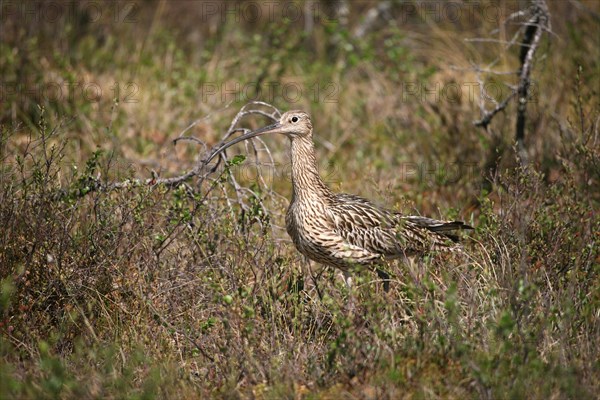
<point>442,227</point>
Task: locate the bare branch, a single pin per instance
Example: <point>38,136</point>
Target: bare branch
<point>489,115</point>
<point>534,27</point>
<point>371,18</point>
<point>533,34</point>
<point>199,170</point>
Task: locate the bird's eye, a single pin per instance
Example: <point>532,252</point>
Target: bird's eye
<point>294,119</point>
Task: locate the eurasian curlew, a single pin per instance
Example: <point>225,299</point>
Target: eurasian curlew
<point>344,230</point>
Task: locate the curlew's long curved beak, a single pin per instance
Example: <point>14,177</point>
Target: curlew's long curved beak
<point>274,128</point>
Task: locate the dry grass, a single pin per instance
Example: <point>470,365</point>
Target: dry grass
<point>183,293</point>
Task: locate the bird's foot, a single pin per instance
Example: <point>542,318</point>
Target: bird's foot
<point>385,277</point>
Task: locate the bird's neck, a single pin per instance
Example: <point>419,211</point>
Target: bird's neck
<point>306,181</point>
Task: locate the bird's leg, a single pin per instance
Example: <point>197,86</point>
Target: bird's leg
<point>385,277</point>
<point>348,279</point>
<point>413,268</point>
<point>314,282</point>
<point>350,304</point>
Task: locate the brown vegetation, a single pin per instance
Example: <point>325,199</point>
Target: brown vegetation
<point>194,290</point>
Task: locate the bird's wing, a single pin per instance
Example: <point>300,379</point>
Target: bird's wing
<point>363,224</point>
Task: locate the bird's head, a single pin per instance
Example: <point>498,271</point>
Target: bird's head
<point>293,124</point>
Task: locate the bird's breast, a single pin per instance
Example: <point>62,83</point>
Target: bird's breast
<point>308,225</point>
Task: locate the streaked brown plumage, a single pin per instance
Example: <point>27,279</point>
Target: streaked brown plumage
<point>343,230</point>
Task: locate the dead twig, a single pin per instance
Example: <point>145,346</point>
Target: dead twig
<point>199,170</point>
<point>531,31</point>
<point>535,27</point>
